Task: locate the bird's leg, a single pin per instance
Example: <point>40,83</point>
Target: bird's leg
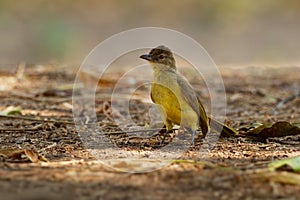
<point>165,134</point>
<point>193,132</point>
<point>169,127</point>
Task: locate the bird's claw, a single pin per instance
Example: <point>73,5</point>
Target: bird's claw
<point>164,137</point>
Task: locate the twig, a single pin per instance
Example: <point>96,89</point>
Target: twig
<point>284,101</point>
<point>42,151</point>
<point>48,100</point>
<point>35,119</point>
<point>135,131</point>
<point>68,163</point>
<point>22,129</point>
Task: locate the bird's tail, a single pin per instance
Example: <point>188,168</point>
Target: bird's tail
<point>222,128</point>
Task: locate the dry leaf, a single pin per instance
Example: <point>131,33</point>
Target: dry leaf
<point>294,163</point>
<point>32,155</point>
<point>279,129</point>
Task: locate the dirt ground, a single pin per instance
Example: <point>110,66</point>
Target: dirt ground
<point>234,168</point>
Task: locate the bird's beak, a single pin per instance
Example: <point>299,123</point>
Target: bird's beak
<point>146,57</point>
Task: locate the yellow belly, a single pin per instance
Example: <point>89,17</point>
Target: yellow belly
<point>175,108</point>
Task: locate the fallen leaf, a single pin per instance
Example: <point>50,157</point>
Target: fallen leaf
<point>32,155</point>
<point>11,110</point>
<point>294,163</point>
<point>279,129</point>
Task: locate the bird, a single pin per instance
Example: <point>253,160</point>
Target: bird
<point>176,99</point>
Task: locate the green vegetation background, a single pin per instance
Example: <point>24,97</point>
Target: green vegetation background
<point>232,31</point>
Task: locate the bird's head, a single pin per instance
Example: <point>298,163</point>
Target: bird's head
<point>160,55</point>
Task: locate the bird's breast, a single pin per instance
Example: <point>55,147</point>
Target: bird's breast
<point>166,92</point>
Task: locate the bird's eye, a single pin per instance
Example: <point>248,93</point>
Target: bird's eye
<point>161,57</point>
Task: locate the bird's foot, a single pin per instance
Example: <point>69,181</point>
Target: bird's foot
<point>193,138</point>
<point>164,136</point>
<point>193,132</point>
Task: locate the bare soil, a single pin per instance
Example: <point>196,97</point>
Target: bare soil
<point>234,168</point>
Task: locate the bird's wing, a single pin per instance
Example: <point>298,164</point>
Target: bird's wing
<point>151,95</point>
<point>191,98</point>
<point>188,93</point>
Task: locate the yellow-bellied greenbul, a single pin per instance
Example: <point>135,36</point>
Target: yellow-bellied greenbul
<point>177,102</point>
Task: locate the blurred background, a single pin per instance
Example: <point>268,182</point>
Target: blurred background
<point>234,32</point>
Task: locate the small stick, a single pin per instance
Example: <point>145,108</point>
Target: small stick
<point>34,119</point>
<point>284,101</point>
<point>133,131</point>
<point>22,129</point>
<point>48,100</point>
<point>42,151</point>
